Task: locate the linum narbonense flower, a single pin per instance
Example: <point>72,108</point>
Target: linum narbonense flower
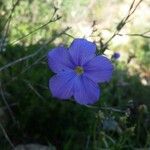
<point>116,55</point>
<point>78,71</point>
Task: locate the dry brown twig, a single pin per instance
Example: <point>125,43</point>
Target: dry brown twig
<point>121,24</point>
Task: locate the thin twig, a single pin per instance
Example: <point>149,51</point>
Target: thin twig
<point>26,69</point>
<point>112,109</point>
<point>70,35</point>
<point>135,34</point>
<point>34,63</point>
<point>12,10</point>
<point>121,24</point>
<point>87,142</point>
<point>11,105</point>
<point>6,136</point>
<point>33,54</point>
<point>6,104</point>
<point>33,31</point>
<point>21,38</point>
<point>106,108</point>
<point>7,24</point>
<point>34,90</point>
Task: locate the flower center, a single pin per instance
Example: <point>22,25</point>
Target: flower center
<point>79,70</point>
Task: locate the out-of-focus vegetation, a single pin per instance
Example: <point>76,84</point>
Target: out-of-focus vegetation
<point>28,113</point>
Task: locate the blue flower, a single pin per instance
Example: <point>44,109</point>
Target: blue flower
<point>116,55</point>
<point>78,72</point>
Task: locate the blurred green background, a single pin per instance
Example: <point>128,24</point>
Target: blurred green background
<point>28,112</point>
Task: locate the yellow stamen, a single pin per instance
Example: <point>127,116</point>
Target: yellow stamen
<point>79,70</point>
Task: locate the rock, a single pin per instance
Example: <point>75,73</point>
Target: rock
<point>34,147</point>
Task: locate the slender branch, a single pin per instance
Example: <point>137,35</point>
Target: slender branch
<point>121,24</point>
<point>112,109</point>
<point>11,105</point>
<point>33,89</point>
<point>7,24</point>
<point>6,104</point>
<point>12,10</point>
<point>33,31</point>
<point>9,19</point>
<point>19,39</point>
<point>143,35</point>
<point>33,54</point>
<point>70,35</point>
<point>106,108</point>
<point>26,69</point>
<point>6,136</point>
<point>87,142</point>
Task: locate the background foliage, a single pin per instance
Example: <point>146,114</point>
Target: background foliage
<point>28,113</point>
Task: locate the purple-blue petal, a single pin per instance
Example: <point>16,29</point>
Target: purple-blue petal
<point>82,51</point>
<point>61,85</point>
<point>59,59</point>
<point>86,91</point>
<point>116,55</point>
<point>99,69</point>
